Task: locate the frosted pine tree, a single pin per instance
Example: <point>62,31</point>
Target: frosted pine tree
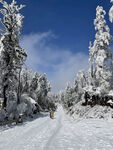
<point>34,86</point>
<point>12,56</point>
<point>111,13</point>
<point>68,96</point>
<point>44,85</point>
<point>82,80</point>
<point>26,79</point>
<point>42,90</point>
<point>101,52</point>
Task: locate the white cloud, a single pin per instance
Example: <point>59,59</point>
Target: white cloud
<point>60,65</point>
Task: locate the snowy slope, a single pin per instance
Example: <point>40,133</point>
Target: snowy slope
<point>87,112</point>
<point>60,133</point>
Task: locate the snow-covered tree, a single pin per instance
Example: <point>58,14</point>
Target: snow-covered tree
<point>43,88</point>
<point>68,96</point>
<point>72,95</point>
<point>111,13</point>
<point>21,90</point>
<point>26,79</point>
<point>81,79</point>
<point>12,56</point>
<point>34,85</point>
<point>101,52</point>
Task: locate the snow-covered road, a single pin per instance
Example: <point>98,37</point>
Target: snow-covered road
<point>61,133</point>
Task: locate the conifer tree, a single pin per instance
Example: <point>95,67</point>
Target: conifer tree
<point>12,56</point>
<point>101,52</point>
<point>34,85</point>
<point>68,95</point>
<point>43,88</point>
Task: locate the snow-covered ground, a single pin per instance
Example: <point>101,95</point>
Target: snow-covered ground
<point>61,133</point>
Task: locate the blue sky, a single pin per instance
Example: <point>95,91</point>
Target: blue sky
<point>70,20</point>
<point>56,35</point>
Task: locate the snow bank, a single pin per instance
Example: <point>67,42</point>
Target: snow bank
<point>27,106</point>
<point>99,112</point>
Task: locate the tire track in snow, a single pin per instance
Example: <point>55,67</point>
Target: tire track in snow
<point>64,123</point>
<point>55,132</point>
<point>37,138</point>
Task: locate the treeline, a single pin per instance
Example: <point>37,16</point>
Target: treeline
<point>95,86</point>
<point>21,90</point>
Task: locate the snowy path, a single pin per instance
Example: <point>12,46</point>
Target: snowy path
<point>58,134</point>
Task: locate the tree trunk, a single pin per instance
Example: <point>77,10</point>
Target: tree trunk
<point>19,86</point>
<point>4,91</point>
<point>5,97</point>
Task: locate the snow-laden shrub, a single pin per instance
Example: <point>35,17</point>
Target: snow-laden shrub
<point>26,107</point>
<point>22,108</point>
<point>29,105</point>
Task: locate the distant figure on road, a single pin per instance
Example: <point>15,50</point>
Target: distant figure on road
<point>51,113</point>
<point>20,119</point>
